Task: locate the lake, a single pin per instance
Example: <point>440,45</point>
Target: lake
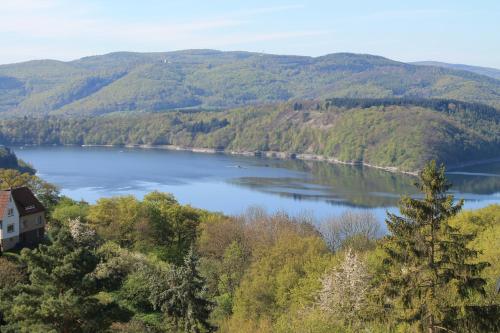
<point>231,184</point>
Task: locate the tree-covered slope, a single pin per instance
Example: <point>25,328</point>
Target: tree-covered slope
<point>9,160</point>
<point>128,81</point>
<point>389,133</point>
<point>487,71</point>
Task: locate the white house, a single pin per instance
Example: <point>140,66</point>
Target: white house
<point>22,218</point>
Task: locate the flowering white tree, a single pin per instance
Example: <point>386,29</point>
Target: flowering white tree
<point>82,233</point>
<point>344,292</point>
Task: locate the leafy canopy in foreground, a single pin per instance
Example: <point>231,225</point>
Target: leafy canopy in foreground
<point>60,294</point>
<point>128,266</point>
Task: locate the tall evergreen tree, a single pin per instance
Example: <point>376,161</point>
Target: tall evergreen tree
<point>60,294</point>
<point>197,306</point>
<point>431,273</point>
<point>180,295</point>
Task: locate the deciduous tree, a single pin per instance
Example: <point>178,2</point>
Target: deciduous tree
<point>343,295</point>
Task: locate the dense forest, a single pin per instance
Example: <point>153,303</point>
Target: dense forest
<point>127,81</point>
<point>9,160</point>
<point>154,265</point>
<point>398,133</point>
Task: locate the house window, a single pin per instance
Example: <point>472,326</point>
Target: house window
<point>1,224</point>
<point>10,212</point>
<point>39,220</point>
<point>10,228</point>
<point>30,207</point>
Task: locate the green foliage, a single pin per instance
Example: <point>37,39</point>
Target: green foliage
<point>275,281</point>
<point>68,209</point>
<point>172,227</point>
<point>487,71</point>
<point>158,224</point>
<point>115,218</point>
<point>485,225</point>
<point>402,134</point>
<point>180,294</point>
<point>60,295</point>
<point>135,271</point>
<point>430,275</point>
<point>47,193</point>
<point>11,273</point>
<point>136,293</point>
<point>213,79</point>
<point>154,265</point>
<point>9,160</point>
<point>233,267</point>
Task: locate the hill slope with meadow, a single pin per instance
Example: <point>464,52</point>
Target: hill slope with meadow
<point>402,134</point>
<point>126,81</point>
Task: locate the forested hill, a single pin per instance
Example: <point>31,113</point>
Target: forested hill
<point>487,71</point>
<point>212,79</point>
<point>403,134</point>
<point>9,160</point>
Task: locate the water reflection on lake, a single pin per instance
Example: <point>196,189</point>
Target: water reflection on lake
<point>233,183</point>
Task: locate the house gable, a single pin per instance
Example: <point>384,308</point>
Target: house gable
<point>9,215</point>
<point>22,218</point>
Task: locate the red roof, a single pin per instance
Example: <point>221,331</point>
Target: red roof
<point>4,201</point>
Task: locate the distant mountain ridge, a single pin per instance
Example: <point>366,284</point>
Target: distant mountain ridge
<point>128,81</point>
<point>487,71</point>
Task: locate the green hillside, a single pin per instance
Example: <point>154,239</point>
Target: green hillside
<point>212,79</point>
<point>487,71</point>
<point>9,160</point>
<point>381,132</point>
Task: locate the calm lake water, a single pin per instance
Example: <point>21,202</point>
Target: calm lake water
<point>231,184</point>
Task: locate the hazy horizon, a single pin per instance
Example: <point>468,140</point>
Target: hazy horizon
<point>407,32</point>
<point>278,54</point>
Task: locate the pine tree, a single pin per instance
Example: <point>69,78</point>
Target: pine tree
<point>430,270</point>
<point>179,294</point>
<point>196,305</point>
<point>60,294</point>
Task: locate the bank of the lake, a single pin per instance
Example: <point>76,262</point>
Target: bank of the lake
<point>266,154</point>
<point>293,156</point>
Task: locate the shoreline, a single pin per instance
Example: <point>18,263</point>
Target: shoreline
<point>270,154</point>
<point>471,163</point>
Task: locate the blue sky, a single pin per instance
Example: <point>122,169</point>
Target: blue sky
<point>459,31</point>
